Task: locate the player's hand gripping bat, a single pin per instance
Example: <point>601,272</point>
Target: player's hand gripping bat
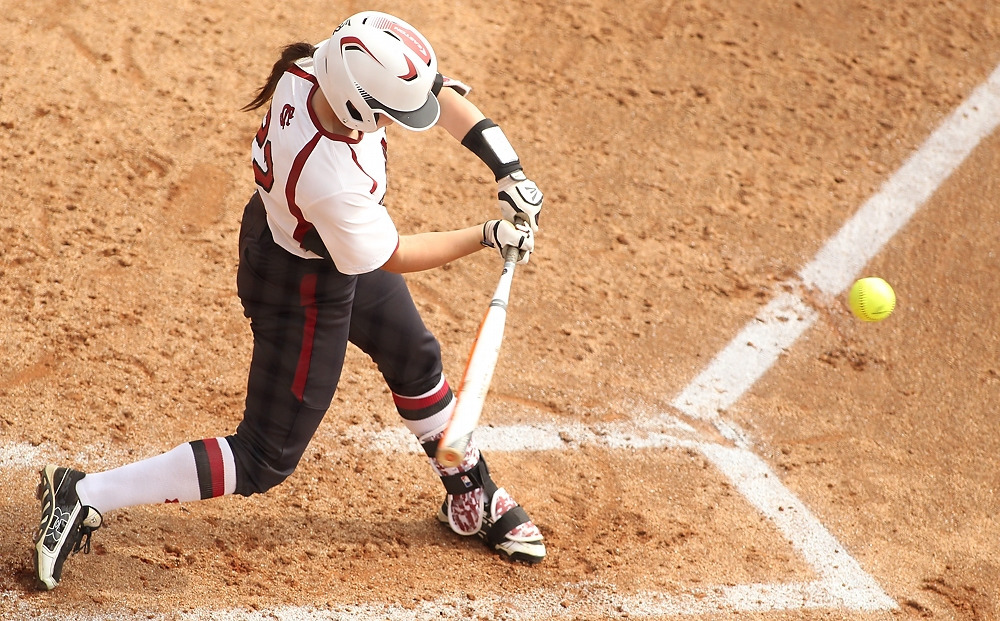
<point>478,371</point>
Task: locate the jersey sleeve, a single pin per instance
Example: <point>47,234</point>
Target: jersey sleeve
<point>357,231</point>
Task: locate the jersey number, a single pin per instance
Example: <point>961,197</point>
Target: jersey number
<point>264,176</point>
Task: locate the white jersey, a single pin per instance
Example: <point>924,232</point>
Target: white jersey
<point>312,181</point>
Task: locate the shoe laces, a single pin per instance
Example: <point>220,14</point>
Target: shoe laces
<point>83,543</point>
<point>86,530</point>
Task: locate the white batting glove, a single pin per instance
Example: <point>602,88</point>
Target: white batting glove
<point>518,196</point>
<point>500,234</point>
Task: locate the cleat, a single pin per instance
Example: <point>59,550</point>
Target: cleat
<point>65,526</point>
<point>474,505</point>
<point>505,528</point>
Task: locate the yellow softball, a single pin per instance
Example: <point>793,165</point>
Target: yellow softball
<point>872,299</point>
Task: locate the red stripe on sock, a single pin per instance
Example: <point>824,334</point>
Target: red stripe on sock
<point>419,403</point>
<point>307,293</point>
<point>216,465</point>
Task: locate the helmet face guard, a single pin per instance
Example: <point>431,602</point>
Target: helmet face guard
<point>376,63</point>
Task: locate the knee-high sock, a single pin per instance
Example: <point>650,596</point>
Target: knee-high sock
<point>192,471</point>
<point>427,414</point>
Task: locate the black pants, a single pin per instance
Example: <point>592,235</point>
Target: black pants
<point>303,312</point>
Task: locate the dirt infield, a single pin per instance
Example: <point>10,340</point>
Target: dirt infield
<point>695,154</point>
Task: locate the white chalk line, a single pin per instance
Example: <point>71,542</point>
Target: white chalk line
<point>759,345</point>
<point>580,600</point>
<point>841,583</point>
<point>843,257</point>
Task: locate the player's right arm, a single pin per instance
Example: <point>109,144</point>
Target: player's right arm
<point>424,251</point>
<point>458,114</point>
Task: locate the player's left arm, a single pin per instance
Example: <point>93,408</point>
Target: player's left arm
<point>517,195</point>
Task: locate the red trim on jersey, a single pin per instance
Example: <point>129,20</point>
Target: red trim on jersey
<point>308,77</point>
<point>302,73</point>
<point>216,466</point>
<point>303,226</point>
<point>354,156</point>
<point>307,293</point>
<point>319,126</point>
<point>419,403</point>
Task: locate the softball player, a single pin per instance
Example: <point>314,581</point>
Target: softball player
<point>320,264</point>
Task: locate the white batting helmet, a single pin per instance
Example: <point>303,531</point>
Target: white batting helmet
<point>376,63</point>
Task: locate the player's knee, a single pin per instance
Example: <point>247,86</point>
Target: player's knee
<point>255,473</point>
<point>415,370</point>
<point>260,481</point>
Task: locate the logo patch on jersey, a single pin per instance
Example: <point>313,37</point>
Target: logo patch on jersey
<point>287,114</point>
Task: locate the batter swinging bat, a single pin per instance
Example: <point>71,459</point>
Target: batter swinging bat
<point>478,371</point>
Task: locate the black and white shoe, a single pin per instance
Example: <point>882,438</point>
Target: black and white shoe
<point>475,505</point>
<point>503,525</point>
<point>65,526</point>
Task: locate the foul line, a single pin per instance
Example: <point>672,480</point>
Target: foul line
<point>757,347</point>
<point>841,581</point>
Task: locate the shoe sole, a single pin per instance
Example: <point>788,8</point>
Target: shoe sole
<point>39,495</point>
<point>520,556</point>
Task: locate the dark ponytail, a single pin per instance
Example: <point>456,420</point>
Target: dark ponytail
<point>289,55</point>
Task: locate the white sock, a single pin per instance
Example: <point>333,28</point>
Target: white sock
<point>191,471</point>
<point>425,427</point>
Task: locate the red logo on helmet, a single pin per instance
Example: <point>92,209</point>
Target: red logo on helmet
<point>412,41</point>
<point>354,43</point>
<point>411,71</point>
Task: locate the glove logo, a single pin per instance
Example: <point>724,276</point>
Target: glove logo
<point>530,192</point>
